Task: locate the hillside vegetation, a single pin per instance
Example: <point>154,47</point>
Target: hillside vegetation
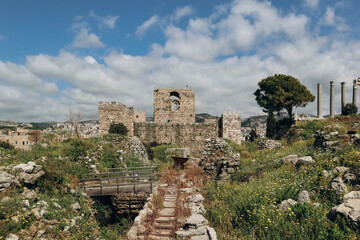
<point>54,207</point>
<point>248,206</point>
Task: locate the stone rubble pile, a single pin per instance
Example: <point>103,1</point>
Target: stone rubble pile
<point>218,160</point>
<point>29,172</point>
<point>269,144</point>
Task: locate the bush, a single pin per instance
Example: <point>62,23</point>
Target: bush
<point>6,145</point>
<point>118,128</point>
<point>349,109</point>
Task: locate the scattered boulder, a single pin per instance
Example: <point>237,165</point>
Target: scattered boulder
<point>340,169</point>
<point>195,221</point>
<point>284,205</point>
<point>29,172</point>
<point>7,180</point>
<point>269,144</point>
<point>292,159</point>
<point>339,186</point>
<point>352,195</point>
<point>29,194</point>
<point>348,177</point>
<point>12,236</point>
<point>304,197</point>
<point>307,160</point>
<point>75,207</point>
<point>350,209</point>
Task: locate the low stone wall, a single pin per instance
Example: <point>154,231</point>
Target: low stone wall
<point>129,203</point>
<point>185,135</point>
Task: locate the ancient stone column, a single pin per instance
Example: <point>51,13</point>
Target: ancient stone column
<point>319,100</point>
<point>332,94</point>
<point>355,92</point>
<point>343,96</point>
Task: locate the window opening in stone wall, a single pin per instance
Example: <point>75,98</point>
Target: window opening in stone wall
<point>175,105</point>
<point>174,95</point>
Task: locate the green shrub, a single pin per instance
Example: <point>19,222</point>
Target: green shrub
<point>349,109</point>
<point>118,128</point>
<point>6,145</point>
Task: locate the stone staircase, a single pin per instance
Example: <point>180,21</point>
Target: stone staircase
<point>164,225</point>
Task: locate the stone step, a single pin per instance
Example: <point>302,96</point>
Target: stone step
<point>153,237</point>
<point>162,233</point>
<point>164,226</point>
<point>167,212</point>
<point>165,219</point>
<point>169,204</point>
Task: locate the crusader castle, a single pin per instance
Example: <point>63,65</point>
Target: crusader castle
<point>174,120</point>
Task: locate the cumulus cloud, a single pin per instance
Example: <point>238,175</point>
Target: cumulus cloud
<point>140,30</point>
<point>312,3</point>
<point>108,21</point>
<point>84,39</point>
<point>182,12</point>
<point>1,37</point>
<point>222,57</point>
<point>330,19</point>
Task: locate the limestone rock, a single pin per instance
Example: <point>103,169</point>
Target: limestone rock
<point>202,237</point>
<point>284,205</point>
<point>211,233</point>
<point>195,221</point>
<point>292,159</point>
<point>339,186</point>
<point>348,177</point>
<point>269,144</point>
<point>340,169</point>
<point>307,160</point>
<point>178,152</point>
<point>75,207</point>
<point>352,195</point>
<point>30,178</point>
<point>29,194</point>
<point>12,236</point>
<point>7,180</point>
<point>304,197</point>
<point>349,209</point>
<point>196,198</point>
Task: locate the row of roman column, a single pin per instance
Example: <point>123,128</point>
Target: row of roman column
<point>332,95</point>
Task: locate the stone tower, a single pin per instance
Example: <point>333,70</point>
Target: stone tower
<point>112,113</point>
<point>231,126</point>
<point>174,106</point>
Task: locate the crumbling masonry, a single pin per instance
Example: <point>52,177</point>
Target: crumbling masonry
<point>174,120</point>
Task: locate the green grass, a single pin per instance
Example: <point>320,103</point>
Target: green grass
<point>247,206</point>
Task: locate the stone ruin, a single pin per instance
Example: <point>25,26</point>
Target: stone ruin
<point>174,121</point>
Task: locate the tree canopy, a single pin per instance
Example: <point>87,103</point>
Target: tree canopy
<point>279,92</point>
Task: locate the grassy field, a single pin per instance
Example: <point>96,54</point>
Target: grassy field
<point>247,207</point>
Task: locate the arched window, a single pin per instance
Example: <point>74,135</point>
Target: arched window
<point>175,101</point>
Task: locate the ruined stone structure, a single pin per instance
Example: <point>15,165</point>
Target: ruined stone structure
<point>118,113</point>
<point>231,126</point>
<point>174,106</point>
<point>174,120</point>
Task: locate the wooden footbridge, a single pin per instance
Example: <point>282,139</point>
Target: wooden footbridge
<point>120,180</point>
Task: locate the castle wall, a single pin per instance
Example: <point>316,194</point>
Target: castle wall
<point>115,113</point>
<point>231,126</point>
<point>139,116</point>
<point>183,134</point>
<point>174,106</point>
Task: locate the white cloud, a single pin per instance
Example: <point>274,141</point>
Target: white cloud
<point>182,12</point>
<point>140,30</point>
<point>108,21</point>
<point>331,19</point>
<point>312,3</point>
<point>84,39</point>
<point>1,37</point>
<point>222,57</point>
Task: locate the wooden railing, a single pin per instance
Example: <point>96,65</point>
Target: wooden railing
<point>120,180</point>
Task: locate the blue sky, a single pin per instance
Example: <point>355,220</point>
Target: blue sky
<point>57,56</point>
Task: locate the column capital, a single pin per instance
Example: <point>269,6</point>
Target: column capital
<point>343,83</point>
